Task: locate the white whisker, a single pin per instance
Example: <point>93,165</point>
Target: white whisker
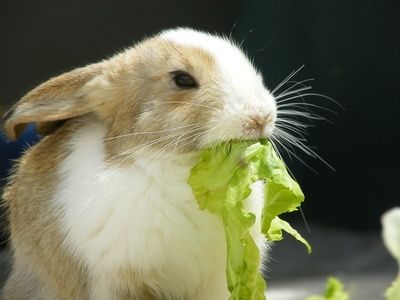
<point>285,147</point>
<point>141,147</point>
<point>307,115</point>
<point>312,95</point>
<point>150,132</point>
<point>189,103</point>
<point>307,106</point>
<point>273,139</point>
<point>285,80</point>
<point>299,144</point>
<point>292,122</point>
<point>300,131</point>
<point>290,92</point>
<point>176,142</point>
<point>190,138</point>
<point>299,159</point>
<point>296,83</point>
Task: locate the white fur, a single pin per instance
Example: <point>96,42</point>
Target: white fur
<point>244,93</point>
<point>149,220</point>
<point>144,215</point>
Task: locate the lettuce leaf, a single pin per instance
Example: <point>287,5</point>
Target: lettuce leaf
<point>220,181</point>
<point>275,232</point>
<point>393,292</point>
<point>334,291</point>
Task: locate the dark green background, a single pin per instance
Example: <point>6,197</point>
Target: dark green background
<point>351,48</point>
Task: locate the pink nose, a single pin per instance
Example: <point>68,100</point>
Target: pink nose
<point>261,120</point>
<point>256,122</point>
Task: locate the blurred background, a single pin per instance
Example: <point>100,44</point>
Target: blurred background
<point>350,48</point>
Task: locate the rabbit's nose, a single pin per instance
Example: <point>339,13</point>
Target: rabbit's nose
<point>257,122</point>
<point>261,120</point>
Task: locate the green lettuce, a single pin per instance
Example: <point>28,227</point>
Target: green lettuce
<point>334,291</point>
<point>393,292</point>
<point>220,181</point>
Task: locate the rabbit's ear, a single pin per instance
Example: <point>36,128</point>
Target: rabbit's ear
<point>54,101</point>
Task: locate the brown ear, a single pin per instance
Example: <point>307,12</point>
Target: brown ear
<point>58,99</point>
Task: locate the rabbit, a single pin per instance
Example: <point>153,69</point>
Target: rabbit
<point>100,208</point>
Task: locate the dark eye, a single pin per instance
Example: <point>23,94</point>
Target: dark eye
<point>184,80</point>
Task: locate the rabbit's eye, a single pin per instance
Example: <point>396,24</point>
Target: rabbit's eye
<point>184,80</point>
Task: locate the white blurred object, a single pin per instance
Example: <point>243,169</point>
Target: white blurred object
<point>287,294</point>
<point>391,239</point>
<point>391,231</point>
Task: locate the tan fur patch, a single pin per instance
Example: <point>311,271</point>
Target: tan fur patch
<point>55,100</point>
<point>132,285</point>
<point>151,102</point>
<point>36,239</point>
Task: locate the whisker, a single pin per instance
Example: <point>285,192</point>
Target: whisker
<point>293,122</point>
<point>144,146</point>
<point>302,161</point>
<point>294,177</point>
<point>154,106</point>
<point>292,128</point>
<point>307,115</point>
<point>273,139</point>
<point>165,148</point>
<point>303,105</point>
<point>150,132</point>
<point>284,135</point>
<point>233,28</point>
<point>292,140</point>
<point>299,143</point>
<point>290,131</point>
<point>285,80</point>
<point>313,95</point>
<point>162,104</point>
<point>285,145</point>
<point>302,82</point>
<point>190,138</point>
<point>290,92</point>
<point>274,13</point>
<point>207,133</point>
<point>194,104</point>
<point>267,45</point>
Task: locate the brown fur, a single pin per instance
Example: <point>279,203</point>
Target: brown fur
<point>131,92</point>
<point>132,286</point>
<point>58,99</point>
<point>167,107</point>
<point>40,260</point>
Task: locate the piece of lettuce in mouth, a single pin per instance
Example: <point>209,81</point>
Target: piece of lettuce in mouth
<point>221,181</point>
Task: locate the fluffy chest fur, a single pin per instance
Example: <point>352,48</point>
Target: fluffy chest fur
<point>142,218</point>
<point>138,227</point>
